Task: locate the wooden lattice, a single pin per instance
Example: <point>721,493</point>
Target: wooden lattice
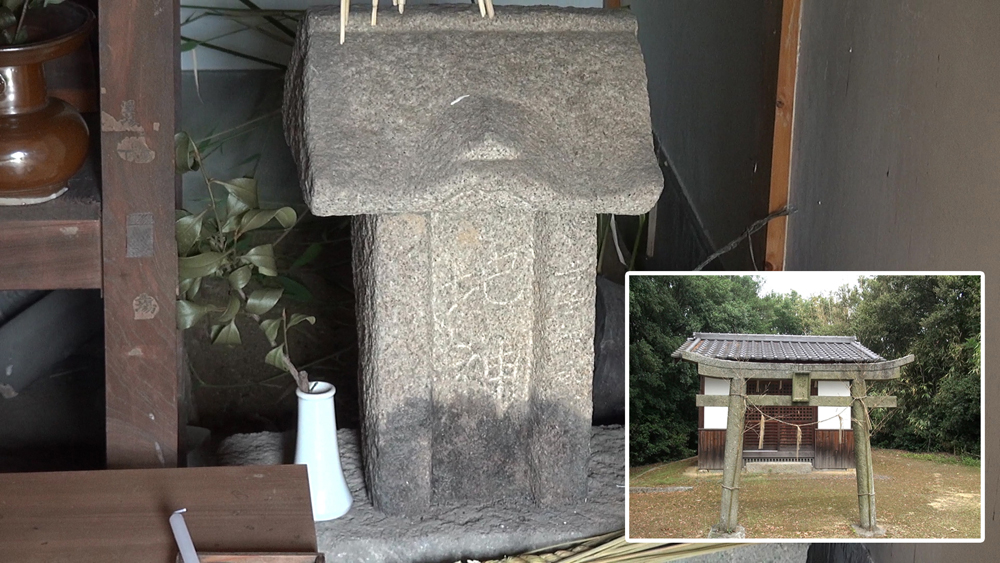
<point>778,435</point>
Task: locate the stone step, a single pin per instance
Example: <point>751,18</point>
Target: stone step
<point>778,467</point>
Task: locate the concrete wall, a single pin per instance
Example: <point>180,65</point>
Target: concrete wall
<point>712,73</point>
<point>896,165</point>
<point>833,418</point>
<point>716,417</point>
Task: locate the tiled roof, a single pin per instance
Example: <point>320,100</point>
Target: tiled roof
<point>778,348</point>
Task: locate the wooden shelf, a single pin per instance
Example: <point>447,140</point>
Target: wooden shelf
<point>114,229</point>
<point>57,244</point>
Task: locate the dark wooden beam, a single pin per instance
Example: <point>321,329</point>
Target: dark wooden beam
<point>138,72</point>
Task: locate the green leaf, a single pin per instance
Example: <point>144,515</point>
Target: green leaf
<point>270,328</point>
<point>189,313</point>
<point>276,358</point>
<point>231,310</point>
<point>232,222</point>
<point>240,277</point>
<point>294,290</point>
<point>193,289</point>
<point>200,265</point>
<point>188,45</point>
<point>185,153</point>
<point>188,231</point>
<point>299,318</point>
<point>310,254</point>
<point>227,334</point>
<point>188,289</point>
<point>263,257</point>
<point>257,218</point>
<point>263,300</point>
<point>242,194</point>
<point>7,17</point>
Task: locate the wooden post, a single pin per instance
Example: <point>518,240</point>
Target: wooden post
<point>734,455</point>
<point>863,455</point>
<point>139,69</point>
<point>781,152</point>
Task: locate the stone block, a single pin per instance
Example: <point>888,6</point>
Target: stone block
<point>778,467</point>
<point>440,110</point>
<point>474,154</point>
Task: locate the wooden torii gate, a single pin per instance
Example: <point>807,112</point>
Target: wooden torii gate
<point>800,375</point>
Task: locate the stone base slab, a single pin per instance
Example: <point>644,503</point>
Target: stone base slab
<point>877,532</point>
<point>477,530</point>
<point>778,467</point>
<point>737,534</point>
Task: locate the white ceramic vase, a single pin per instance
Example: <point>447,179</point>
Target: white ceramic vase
<point>316,448</point>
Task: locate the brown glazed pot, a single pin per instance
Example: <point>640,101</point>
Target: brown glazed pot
<point>43,140</point>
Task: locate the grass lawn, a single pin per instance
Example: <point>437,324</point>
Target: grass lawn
<point>915,498</point>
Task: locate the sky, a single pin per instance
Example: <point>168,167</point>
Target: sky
<point>806,284</point>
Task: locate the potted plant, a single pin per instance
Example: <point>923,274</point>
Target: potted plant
<point>43,140</point>
<point>219,245</point>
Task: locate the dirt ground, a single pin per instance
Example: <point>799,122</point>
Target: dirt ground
<point>914,499</point>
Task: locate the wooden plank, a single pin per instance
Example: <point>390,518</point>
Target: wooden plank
<point>834,449</point>
<point>781,152</point>
<point>873,402</point>
<point>138,70</point>
<point>85,516</point>
<point>50,255</point>
<point>711,448</point>
<point>258,558</point>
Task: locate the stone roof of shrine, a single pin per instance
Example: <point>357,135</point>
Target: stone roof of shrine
<point>778,348</point>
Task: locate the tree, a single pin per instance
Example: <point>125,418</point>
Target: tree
<point>663,312</point>
<point>937,319</point>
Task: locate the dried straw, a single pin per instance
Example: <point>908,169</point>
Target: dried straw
<point>612,548</point>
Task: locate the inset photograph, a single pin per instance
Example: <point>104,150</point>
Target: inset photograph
<point>804,406</point>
